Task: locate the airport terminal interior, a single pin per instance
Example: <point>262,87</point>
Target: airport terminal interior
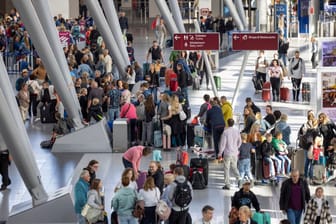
<point>61,170</point>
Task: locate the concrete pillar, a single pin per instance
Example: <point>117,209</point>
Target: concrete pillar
<point>165,12</point>
<point>113,21</point>
<point>15,137</point>
<point>177,15</point>
<point>207,63</point>
<point>262,15</point>
<point>105,31</point>
<point>234,14</point>
<point>313,18</point>
<point>241,13</point>
<point>69,99</point>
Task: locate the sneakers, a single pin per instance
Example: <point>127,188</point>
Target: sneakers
<point>37,119</point>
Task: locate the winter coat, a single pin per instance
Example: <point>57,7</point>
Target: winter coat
<point>311,215</point>
<point>285,193</point>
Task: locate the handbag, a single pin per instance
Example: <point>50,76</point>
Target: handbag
<point>182,115</point>
<point>85,210</point>
<point>94,215</point>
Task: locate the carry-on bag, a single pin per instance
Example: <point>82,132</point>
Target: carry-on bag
<point>284,94</point>
<point>266,92</point>
<point>202,163</point>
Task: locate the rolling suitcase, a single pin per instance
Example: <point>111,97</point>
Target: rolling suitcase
<point>257,83</point>
<point>163,71</point>
<point>298,160</point>
<point>141,180</point>
<point>319,174</point>
<point>121,138</point>
<point>157,135</point>
<point>196,84</point>
<point>197,178</point>
<point>218,82</point>
<point>201,163</point>
<point>261,218</point>
<point>190,135</point>
<point>48,113</point>
<point>145,68</point>
<point>266,91</point>
<point>284,94</point>
<point>306,92</point>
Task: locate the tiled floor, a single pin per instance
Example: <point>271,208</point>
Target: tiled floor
<point>58,169</point>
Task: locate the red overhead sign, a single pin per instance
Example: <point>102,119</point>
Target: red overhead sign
<point>254,41</point>
<point>196,41</point>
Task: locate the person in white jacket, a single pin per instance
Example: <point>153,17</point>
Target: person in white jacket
<point>228,152</point>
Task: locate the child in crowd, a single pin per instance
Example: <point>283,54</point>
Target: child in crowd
<point>95,110</point>
<point>244,162</point>
<point>281,152</point>
<point>268,155</point>
<point>157,155</point>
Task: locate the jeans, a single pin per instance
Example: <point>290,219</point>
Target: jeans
<point>230,162</point>
<point>261,76</point>
<point>294,216</point>
<point>147,132</point>
<point>271,161</point>
<point>184,91</point>
<point>217,133</point>
<point>81,219</point>
<point>128,219</point>
<point>127,164</point>
<point>113,113</point>
<point>283,57</point>
<point>296,88</point>
<point>283,159</point>
<point>275,82</point>
<point>244,166</point>
<point>308,167</point>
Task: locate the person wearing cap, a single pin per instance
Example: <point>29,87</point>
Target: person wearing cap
<point>21,80</point>
<point>245,197</point>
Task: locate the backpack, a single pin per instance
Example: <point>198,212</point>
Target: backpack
<point>115,98</point>
<point>162,210</point>
<point>139,209</point>
<point>182,194</point>
<point>140,112</point>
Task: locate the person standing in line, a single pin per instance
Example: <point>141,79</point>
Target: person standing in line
<point>260,67</point>
<point>296,69</point>
<point>226,109</point>
<point>314,52</point>
<point>4,164</point>
<point>81,190</point>
<point>276,76</point>
<point>294,194</point>
<point>215,121</point>
<point>229,144</point>
<point>318,209</point>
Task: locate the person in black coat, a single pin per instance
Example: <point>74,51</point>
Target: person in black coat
<point>215,122</point>
<point>245,197</point>
<point>250,103</point>
<point>155,171</point>
<point>294,194</point>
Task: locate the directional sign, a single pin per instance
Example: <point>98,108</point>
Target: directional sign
<point>254,41</point>
<point>196,41</point>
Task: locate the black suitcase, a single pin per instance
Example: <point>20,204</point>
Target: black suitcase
<point>196,84</point>
<point>190,135</point>
<point>306,92</point>
<point>47,144</point>
<point>129,37</point>
<point>203,164</point>
<point>257,83</point>
<point>197,179</point>
<point>48,113</point>
<point>163,71</point>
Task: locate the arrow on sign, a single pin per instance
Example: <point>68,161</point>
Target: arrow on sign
<point>177,37</point>
<point>235,37</point>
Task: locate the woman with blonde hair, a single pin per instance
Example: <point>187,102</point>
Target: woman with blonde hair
<point>245,215</point>
<point>255,138</point>
<point>173,119</point>
<point>249,119</point>
<point>150,194</point>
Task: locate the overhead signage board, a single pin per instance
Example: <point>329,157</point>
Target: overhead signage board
<point>196,41</point>
<point>255,41</point>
